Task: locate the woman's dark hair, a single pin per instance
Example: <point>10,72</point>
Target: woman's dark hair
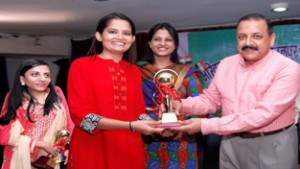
<point>149,53</point>
<point>96,47</point>
<point>18,92</point>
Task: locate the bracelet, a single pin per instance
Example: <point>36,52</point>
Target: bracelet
<point>131,126</point>
<point>32,145</point>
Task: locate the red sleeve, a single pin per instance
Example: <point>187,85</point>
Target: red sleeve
<point>79,92</point>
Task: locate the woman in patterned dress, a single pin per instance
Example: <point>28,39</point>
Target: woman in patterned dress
<point>34,111</point>
<point>170,150</point>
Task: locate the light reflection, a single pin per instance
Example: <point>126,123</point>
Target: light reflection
<point>32,17</point>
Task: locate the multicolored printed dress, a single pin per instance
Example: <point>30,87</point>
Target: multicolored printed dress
<point>163,153</point>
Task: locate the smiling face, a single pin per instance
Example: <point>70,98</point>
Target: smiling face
<point>162,44</point>
<point>36,79</point>
<point>254,40</point>
<point>116,38</point>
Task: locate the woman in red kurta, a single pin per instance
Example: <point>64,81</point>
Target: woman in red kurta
<point>105,98</point>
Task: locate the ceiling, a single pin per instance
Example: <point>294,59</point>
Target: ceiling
<point>78,18</point>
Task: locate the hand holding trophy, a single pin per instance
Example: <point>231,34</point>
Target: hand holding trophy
<point>47,162</point>
<point>164,80</point>
<point>61,141</point>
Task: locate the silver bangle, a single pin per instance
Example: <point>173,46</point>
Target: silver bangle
<point>131,126</point>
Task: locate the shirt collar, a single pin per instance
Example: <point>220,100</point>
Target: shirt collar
<point>259,62</point>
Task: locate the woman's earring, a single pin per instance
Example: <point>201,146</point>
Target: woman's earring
<point>22,83</point>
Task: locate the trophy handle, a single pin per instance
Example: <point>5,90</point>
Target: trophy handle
<point>167,103</point>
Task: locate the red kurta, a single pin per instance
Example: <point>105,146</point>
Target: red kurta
<point>112,90</point>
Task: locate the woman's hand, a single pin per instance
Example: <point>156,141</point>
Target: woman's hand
<point>168,133</point>
<point>171,134</point>
<point>66,154</point>
<point>178,136</point>
<point>48,147</point>
<point>147,127</point>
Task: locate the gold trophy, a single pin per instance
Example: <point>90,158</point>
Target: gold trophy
<point>61,141</point>
<point>48,162</point>
<point>164,80</point>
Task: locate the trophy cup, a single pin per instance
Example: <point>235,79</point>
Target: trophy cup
<point>61,141</point>
<point>164,81</point>
<point>47,162</point>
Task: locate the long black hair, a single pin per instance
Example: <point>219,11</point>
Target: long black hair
<point>97,48</point>
<point>18,92</point>
<point>149,53</point>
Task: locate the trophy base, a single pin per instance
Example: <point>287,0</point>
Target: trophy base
<point>169,125</point>
<point>169,120</point>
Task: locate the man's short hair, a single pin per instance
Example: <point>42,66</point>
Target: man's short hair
<point>257,16</point>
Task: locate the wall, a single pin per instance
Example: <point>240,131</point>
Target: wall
<point>11,44</point>
<point>12,64</point>
<point>16,48</point>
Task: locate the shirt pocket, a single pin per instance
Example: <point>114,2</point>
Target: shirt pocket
<point>260,90</point>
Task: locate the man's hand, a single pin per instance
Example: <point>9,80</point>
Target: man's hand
<point>176,107</point>
<point>190,126</point>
